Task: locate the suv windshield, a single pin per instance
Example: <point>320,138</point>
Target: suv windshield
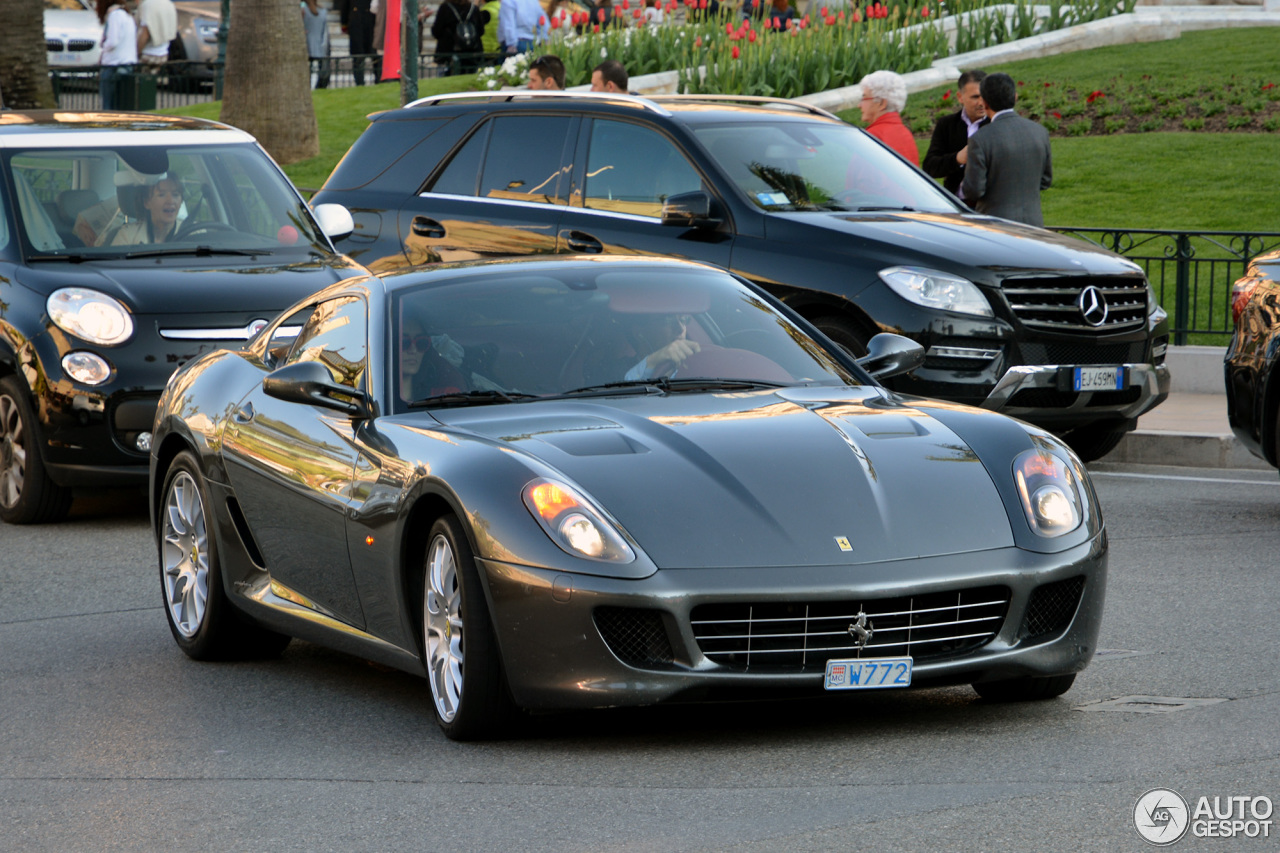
<point>807,165</point>
<point>105,202</point>
<point>595,332</point>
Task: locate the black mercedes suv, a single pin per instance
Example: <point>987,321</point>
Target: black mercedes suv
<point>1018,319</point>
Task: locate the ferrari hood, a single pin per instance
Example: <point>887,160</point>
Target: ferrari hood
<point>801,476</point>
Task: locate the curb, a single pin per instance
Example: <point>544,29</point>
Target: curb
<point>1188,450</point>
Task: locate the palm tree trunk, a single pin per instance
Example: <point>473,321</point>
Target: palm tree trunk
<point>24,67</point>
<point>267,89</point>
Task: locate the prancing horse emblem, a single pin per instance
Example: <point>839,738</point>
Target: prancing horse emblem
<point>861,630</point>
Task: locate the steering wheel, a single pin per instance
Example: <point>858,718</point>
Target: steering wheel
<point>192,228</point>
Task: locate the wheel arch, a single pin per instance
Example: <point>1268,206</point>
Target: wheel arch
<point>173,444</point>
<point>426,510</point>
<point>813,306</point>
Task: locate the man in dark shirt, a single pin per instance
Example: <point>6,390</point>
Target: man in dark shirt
<point>949,148</point>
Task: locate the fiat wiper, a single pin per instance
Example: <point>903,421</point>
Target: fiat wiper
<point>479,397</point>
<point>198,251</point>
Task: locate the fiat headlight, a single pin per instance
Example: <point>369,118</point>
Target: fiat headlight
<point>574,524</point>
<point>1049,491</point>
<point>940,290</point>
<point>90,315</point>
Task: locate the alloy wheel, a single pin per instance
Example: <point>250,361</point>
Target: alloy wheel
<point>13,452</point>
<point>443,622</point>
<point>185,555</point>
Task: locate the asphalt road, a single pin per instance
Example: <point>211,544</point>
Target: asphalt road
<point>110,739</point>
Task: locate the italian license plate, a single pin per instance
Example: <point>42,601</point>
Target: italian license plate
<point>1099,379</point>
<point>868,673</point>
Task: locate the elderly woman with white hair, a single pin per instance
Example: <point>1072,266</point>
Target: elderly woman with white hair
<point>884,94</point>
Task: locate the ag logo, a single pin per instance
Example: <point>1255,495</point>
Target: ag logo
<point>1161,816</point>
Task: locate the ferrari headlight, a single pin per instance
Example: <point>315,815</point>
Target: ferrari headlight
<point>574,524</point>
<point>90,315</point>
<point>940,290</point>
<point>1049,491</point>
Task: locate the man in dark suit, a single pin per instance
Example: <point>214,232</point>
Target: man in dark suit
<point>948,149</point>
<point>1009,159</point>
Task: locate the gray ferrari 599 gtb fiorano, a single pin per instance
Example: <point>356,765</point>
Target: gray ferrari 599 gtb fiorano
<point>586,482</point>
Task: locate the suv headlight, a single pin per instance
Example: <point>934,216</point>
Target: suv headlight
<point>90,315</point>
<point>574,524</point>
<point>1049,491</point>
<point>934,289</point>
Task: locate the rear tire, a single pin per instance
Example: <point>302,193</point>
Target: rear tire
<point>27,495</point>
<point>844,334</point>
<point>464,667</point>
<point>204,622</point>
<point>1028,689</point>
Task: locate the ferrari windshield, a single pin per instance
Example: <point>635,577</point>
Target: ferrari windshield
<point>811,165</point>
<point>595,330</point>
<point>110,202</point>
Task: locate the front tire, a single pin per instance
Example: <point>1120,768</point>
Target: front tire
<point>1027,689</point>
<point>27,495</point>
<point>844,335</point>
<point>203,620</point>
<point>1095,441</point>
<point>464,667</point>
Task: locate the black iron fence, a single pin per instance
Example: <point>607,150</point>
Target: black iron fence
<point>1190,271</point>
<point>178,84</point>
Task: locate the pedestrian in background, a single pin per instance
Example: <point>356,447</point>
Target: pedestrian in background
<point>359,21</point>
<point>458,30</point>
<point>610,76</point>
<point>1009,159</point>
<point>521,23</point>
<point>315,23</point>
<point>884,94</point>
<point>119,47</point>
<point>490,40</point>
<point>157,26</point>
<point>546,74</point>
<point>949,148</point>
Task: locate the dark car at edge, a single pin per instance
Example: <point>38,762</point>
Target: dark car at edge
<point>1252,382</point>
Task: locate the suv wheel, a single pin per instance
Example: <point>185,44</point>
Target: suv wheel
<point>27,495</point>
<point>844,334</point>
<point>1095,441</point>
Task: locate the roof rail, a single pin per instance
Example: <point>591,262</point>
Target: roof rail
<point>753,99</point>
<point>510,95</point>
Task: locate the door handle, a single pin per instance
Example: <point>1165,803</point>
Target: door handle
<point>580,241</point>
<point>244,414</point>
<point>424,227</point>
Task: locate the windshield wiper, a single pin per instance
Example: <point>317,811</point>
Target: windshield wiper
<point>886,207</point>
<point>198,251</point>
<point>458,398</point>
<point>663,385</point>
<point>75,258</point>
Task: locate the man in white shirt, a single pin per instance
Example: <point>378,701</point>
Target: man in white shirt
<point>157,26</point>
<point>521,23</point>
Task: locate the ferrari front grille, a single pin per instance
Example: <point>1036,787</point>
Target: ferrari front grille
<point>635,635</point>
<point>803,636</point>
<point>1061,303</point>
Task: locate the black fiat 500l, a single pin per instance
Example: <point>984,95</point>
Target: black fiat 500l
<point>1253,385</point>
<point>130,244</point>
<point>1013,318</point>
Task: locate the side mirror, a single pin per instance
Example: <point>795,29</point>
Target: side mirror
<point>310,383</point>
<point>335,220</point>
<point>891,355</point>
<point>689,210</point>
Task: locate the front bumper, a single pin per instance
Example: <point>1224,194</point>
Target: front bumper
<point>1037,393</point>
<point>556,657</point>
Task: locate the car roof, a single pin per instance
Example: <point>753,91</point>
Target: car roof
<point>59,128</point>
<point>689,108</point>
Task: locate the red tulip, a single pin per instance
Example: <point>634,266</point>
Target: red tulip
<point>542,20</point>
<point>751,36</point>
<point>697,42</point>
<point>595,28</point>
<point>555,22</point>
<point>599,17</point>
<point>857,16</point>
<point>637,14</point>
<point>736,52</point>
<point>946,95</point>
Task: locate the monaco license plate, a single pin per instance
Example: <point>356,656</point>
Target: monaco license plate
<point>1099,379</point>
<point>868,673</point>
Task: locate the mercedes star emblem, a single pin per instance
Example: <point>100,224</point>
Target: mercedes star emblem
<point>1093,306</point>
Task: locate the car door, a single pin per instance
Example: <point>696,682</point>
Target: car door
<point>500,194</point>
<point>629,169</point>
<point>291,465</point>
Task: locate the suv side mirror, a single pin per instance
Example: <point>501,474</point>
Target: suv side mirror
<point>690,210</point>
<point>310,383</point>
<point>891,355</point>
<point>335,220</point>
